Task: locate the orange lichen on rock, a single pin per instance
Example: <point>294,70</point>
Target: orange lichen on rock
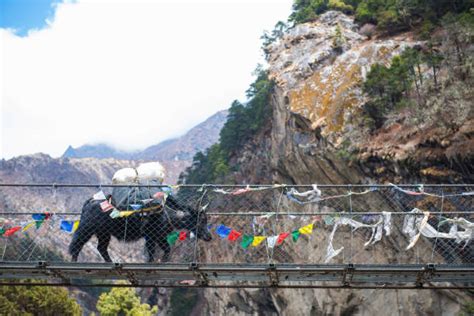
<point>325,100</point>
<point>437,172</point>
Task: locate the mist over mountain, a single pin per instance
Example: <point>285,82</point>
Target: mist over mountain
<point>175,154</point>
<point>184,147</point>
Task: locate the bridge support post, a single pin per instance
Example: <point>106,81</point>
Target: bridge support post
<point>348,274</point>
<point>425,274</point>
<point>273,275</point>
<point>199,275</point>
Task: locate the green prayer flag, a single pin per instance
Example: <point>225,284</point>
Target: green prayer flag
<point>2,231</point>
<point>38,224</point>
<point>246,241</point>
<point>171,238</point>
<point>295,235</point>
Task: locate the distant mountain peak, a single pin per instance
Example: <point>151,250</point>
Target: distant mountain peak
<point>176,153</point>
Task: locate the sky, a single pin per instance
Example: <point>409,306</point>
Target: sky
<point>126,73</point>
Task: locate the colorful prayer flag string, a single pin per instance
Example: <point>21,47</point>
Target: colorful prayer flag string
<point>69,226</point>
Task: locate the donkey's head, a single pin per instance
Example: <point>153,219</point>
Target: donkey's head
<point>196,222</point>
<point>186,217</point>
<point>202,230</point>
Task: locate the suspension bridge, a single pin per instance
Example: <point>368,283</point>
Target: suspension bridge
<point>282,236</point>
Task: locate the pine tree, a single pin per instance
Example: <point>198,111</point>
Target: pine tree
<point>123,301</point>
<point>37,300</point>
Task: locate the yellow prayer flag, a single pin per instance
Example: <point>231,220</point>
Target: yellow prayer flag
<point>75,226</point>
<point>126,213</point>
<point>27,226</point>
<point>257,240</point>
<point>308,229</point>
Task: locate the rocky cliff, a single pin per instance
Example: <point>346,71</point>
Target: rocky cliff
<point>316,135</point>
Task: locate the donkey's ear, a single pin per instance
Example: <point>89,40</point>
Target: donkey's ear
<point>204,208</point>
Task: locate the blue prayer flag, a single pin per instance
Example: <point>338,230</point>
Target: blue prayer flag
<point>67,226</point>
<point>223,231</point>
<point>38,217</point>
<point>136,207</point>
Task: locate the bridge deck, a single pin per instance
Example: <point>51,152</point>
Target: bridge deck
<point>238,275</point>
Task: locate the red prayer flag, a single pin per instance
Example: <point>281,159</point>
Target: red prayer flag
<point>234,235</point>
<point>282,237</point>
<point>159,195</point>
<point>106,206</point>
<point>182,235</point>
<point>240,191</point>
<point>11,231</point>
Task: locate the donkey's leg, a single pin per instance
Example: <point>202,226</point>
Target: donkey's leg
<point>150,245</point>
<point>81,236</point>
<point>166,250</point>
<point>104,240</point>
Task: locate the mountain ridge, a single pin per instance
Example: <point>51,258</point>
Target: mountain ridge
<point>198,138</point>
<point>175,154</point>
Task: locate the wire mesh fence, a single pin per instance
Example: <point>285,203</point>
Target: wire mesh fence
<point>212,224</point>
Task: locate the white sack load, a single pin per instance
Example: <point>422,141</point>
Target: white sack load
<point>125,176</point>
<point>150,172</point>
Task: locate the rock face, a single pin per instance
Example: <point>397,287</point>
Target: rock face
<point>321,83</point>
<point>175,154</point>
<point>315,105</point>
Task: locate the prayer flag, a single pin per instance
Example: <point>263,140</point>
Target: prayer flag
<point>115,213</point>
<point>171,238</point>
<point>282,237</point>
<point>328,220</point>
<point>182,235</point>
<point>271,241</point>
<point>159,195</point>
<point>106,206</point>
<point>136,207</point>
<point>246,241</point>
<point>11,231</point>
<point>41,216</point>
<point>2,231</point>
<point>295,235</point>
<point>126,213</point>
<point>38,217</point>
<point>234,235</point>
<point>191,235</point>
<point>38,224</point>
<point>257,240</point>
<point>99,196</point>
<point>241,191</point>
<point>75,226</point>
<point>67,226</point>
<point>146,201</point>
<point>27,226</point>
<point>308,229</point>
<point>223,231</point>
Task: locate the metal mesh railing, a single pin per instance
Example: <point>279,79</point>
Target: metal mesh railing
<point>275,224</point>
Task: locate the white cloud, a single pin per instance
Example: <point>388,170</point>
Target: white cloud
<point>129,73</point>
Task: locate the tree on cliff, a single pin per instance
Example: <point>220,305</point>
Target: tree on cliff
<point>37,300</point>
<point>123,301</point>
<point>243,122</point>
<point>390,15</point>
